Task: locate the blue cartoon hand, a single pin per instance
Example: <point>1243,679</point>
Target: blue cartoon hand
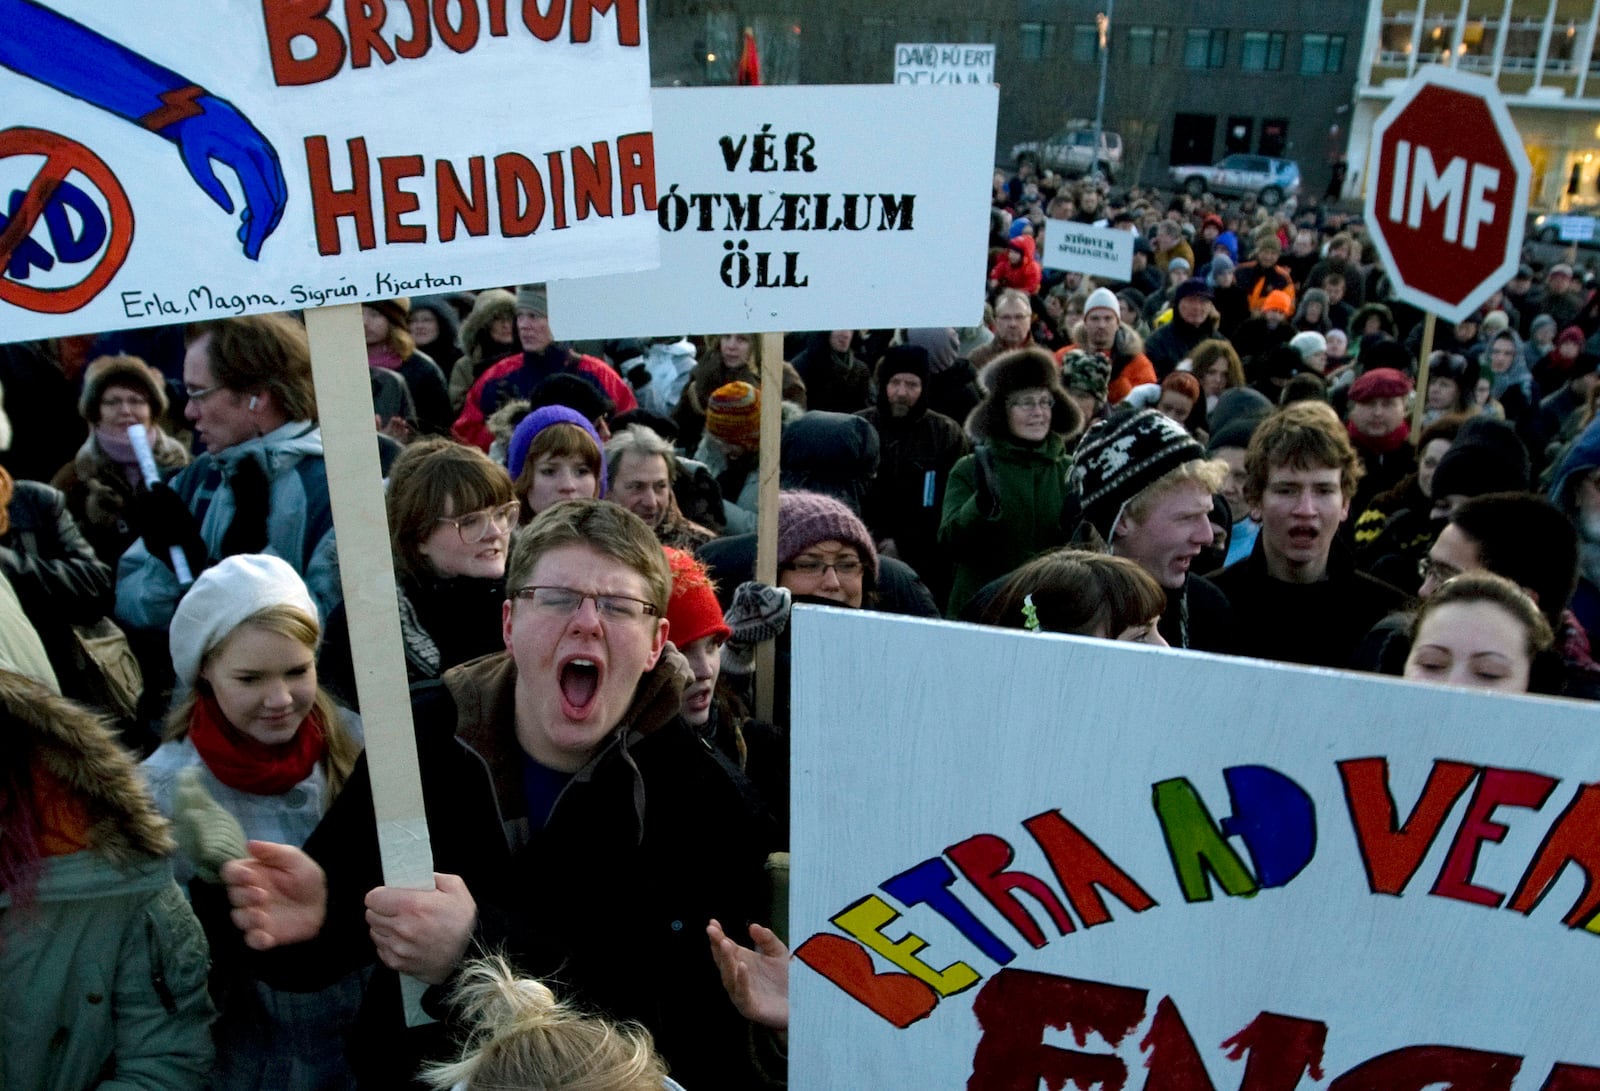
<point>219,132</point>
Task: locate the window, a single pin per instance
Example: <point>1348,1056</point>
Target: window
<point>1320,53</point>
<point>1205,48</point>
<point>1085,43</point>
<point>1147,46</point>
<point>1038,40</point>
<point>1262,52</point>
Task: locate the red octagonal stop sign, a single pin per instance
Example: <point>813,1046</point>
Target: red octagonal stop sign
<point>1448,191</point>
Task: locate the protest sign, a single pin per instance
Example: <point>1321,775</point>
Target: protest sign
<point>927,63</point>
<point>222,161</point>
<point>1102,252</point>
<point>1029,860</point>
<point>804,208</point>
<point>1575,228</point>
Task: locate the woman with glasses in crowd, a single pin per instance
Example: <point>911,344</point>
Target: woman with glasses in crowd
<point>451,514</point>
<point>1002,506</point>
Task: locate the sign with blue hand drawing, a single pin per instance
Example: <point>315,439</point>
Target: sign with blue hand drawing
<point>202,159</point>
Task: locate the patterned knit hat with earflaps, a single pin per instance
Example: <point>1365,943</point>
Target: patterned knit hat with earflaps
<point>1119,457</point>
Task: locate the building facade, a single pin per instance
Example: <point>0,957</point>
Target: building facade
<point>1186,82</point>
<point>1541,54</point>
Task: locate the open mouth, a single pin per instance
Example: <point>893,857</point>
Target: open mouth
<point>580,682</point>
<point>1303,536</point>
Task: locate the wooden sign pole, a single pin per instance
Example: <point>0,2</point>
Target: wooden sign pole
<point>366,571</point>
<point>1422,377</point>
<point>767,518</point>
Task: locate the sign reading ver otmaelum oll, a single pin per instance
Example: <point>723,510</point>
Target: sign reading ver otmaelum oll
<point>198,159</point>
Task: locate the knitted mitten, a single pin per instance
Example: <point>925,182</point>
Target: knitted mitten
<point>206,833</point>
<point>758,613</point>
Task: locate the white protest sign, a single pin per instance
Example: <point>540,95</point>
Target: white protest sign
<point>1105,253</point>
<point>1027,860</point>
<point>802,208</point>
<point>364,154</point>
<point>927,63</point>
<point>1575,228</point>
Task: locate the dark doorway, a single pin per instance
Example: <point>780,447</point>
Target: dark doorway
<point>1193,137</point>
<point>1274,135</point>
<point>1237,137</point>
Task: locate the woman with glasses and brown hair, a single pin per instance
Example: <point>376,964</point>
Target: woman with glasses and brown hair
<point>1003,504</point>
<point>451,514</point>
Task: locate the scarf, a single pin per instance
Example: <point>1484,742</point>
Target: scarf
<point>246,765</point>
<point>119,449</point>
<point>1379,445</point>
<point>383,356</point>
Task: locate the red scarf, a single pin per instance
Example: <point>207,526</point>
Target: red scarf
<point>1378,445</point>
<point>247,765</point>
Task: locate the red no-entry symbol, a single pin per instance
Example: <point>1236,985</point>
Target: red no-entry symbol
<point>62,156</point>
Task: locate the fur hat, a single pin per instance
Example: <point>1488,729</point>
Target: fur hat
<point>806,518</point>
<point>226,594</point>
<point>692,611</point>
<point>1016,371</point>
<point>1382,351</point>
<point>1118,458</point>
<point>1382,382</point>
<point>1194,286</point>
<point>533,299</point>
<point>537,421</point>
<point>734,415</point>
<point>1102,297</point>
<point>1087,372</point>
<point>129,371</point>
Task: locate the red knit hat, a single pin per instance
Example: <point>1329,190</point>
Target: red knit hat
<point>1380,382</point>
<point>692,611</point>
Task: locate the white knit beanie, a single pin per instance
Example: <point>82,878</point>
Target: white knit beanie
<point>225,595</point>
<point>1308,342</point>
<point>1102,297</point>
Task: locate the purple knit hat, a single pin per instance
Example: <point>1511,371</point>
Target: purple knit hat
<point>538,421</point>
<point>806,518</point>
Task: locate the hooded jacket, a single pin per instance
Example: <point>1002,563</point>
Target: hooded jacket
<point>1582,457</point>
<point>299,530</point>
<point>1026,276</point>
<point>105,972</point>
<point>477,352</point>
<point>1130,367</point>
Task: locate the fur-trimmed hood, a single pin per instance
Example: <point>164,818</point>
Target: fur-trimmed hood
<point>71,743</point>
<point>491,304</point>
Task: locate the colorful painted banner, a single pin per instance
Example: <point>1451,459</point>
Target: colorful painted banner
<point>943,63</point>
<point>1103,252</point>
<point>806,208</point>
<point>1025,860</point>
<point>210,159</point>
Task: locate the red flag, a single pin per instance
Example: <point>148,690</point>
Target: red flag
<point>748,73</point>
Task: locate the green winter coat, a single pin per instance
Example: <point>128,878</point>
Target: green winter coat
<point>105,981</point>
<point>1032,485</point>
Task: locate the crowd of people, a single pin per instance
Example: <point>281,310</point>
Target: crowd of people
<point>1216,454</point>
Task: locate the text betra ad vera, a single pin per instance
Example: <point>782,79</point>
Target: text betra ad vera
<point>368,32</point>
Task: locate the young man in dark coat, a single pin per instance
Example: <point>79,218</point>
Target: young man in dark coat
<point>1141,486</point>
<point>917,447</point>
<point>1298,597</point>
<point>576,822</point>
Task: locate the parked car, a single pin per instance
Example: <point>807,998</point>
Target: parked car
<point>1071,151</point>
<point>1547,228</point>
<point>1269,179</point>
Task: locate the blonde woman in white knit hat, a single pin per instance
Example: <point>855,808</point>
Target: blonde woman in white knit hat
<point>252,736</point>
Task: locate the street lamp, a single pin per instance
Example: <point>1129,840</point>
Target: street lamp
<point>1102,22</point>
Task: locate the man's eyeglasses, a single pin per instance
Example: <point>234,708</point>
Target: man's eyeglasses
<point>474,526</point>
<point>1437,569</point>
<point>563,602</point>
<point>844,568</point>
<point>200,394</point>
